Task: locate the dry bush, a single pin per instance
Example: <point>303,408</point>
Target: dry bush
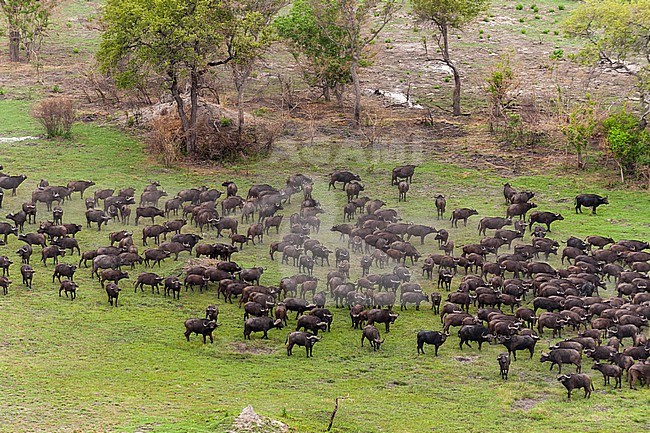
<point>219,140</point>
<point>165,135</point>
<point>56,115</point>
<point>373,128</point>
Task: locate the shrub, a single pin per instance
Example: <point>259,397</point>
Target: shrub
<point>56,115</point>
<point>165,136</point>
<point>629,144</point>
<point>519,7</point>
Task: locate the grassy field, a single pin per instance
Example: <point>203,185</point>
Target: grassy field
<point>84,366</point>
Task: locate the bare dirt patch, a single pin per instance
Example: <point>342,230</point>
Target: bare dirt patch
<point>526,404</point>
<point>465,359</point>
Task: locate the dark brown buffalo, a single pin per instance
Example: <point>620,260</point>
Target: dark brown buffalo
<point>544,218</point>
<point>403,172</point>
<point>519,209</point>
<point>495,223</point>
<point>461,214</point>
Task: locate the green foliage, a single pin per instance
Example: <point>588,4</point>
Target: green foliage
<point>318,45</point>
<point>450,14</point>
<point>557,54</point>
<point>519,6</point>
<point>28,22</point>
<point>617,35</point>
<point>629,144</point>
<point>171,37</point>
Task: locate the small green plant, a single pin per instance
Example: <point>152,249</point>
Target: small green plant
<point>557,54</point>
<point>387,40</point>
<point>521,20</point>
<point>537,17</point>
<point>447,79</point>
<point>519,6</point>
<point>523,31</point>
<point>488,36</point>
<point>75,50</point>
<point>546,31</point>
<point>533,6</point>
<point>486,19</point>
<point>550,11</point>
<point>2,91</point>
<point>225,122</point>
<point>560,7</point>
<point>480,32</point>
<point>556,32</point>
<point>56,89</point>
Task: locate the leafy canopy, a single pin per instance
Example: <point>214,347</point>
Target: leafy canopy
<point>449,13</point>
<point>618,31</point>
<point>169,36</point>
<point>319,44</point>
<point>629,145</point>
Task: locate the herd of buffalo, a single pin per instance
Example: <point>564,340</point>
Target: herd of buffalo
<point>516,296</point>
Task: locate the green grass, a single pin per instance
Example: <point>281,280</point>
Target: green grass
<point>84,366</point>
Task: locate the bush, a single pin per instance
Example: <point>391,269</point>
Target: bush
<point>220,140</point>
<point>56,115</point>
<point>629,144</point>
<point>165,136</point>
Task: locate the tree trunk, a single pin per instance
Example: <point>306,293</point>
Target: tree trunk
<point>180,107</point>
<point>444,32</point>
<point>456,98</point>
<point>14,45</point>
<point>240,109</point>
<point>194,100</point>
<point>357,91</point>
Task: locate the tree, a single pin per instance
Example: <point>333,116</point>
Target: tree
<point>352,25</point>
<point>618,36</point>
<point>27,23</point>
<point>177,39</point>
<point>250,39</point>
<point>447,15</point>
<point>319,52</point>
<point>353,19</point>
